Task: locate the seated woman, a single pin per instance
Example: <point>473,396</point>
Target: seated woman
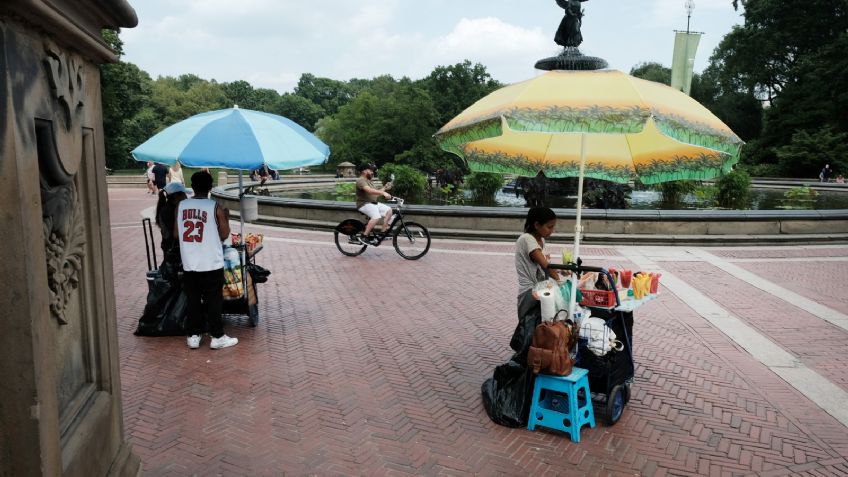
<point>507,394</point>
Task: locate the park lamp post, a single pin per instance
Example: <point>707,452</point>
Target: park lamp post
<point>689,5</point>
<point>683,59</point>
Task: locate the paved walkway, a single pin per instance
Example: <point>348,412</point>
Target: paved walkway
<point>373,365</point>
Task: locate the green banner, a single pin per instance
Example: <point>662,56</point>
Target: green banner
<point>683,61</point>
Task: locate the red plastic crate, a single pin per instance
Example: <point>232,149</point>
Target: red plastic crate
<point>598,298</point>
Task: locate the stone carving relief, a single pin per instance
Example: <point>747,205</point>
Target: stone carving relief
<point>60,152</point>
<point>64,244</point>
<point>66,77</point>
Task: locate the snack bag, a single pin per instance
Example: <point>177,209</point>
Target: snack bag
<point>233,286</point>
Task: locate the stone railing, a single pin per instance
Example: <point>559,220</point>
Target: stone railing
<point>715,227</point>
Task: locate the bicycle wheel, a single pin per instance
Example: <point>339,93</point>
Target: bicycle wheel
<point>411,241</point>
<point>348,244</point>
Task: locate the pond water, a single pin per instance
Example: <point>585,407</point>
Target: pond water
<point>761,199</point>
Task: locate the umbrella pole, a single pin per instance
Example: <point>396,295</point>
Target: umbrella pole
<point>241,211</point>
<point>243,251</point>
<point>578,227</point>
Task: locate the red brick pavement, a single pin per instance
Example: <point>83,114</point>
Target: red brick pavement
<point>373,365</point>
<point>816,342</point>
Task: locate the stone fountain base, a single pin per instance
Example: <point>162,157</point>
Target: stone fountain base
<point>571,59</point>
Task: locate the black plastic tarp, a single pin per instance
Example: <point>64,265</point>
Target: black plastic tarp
<point>165,311</point>
<point>507,395</point>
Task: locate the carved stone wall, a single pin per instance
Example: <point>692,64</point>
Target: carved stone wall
<point>60,407</point>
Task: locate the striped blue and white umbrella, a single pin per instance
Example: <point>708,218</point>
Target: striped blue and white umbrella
<point>235,139</point>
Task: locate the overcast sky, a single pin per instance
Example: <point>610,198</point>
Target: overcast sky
<point>270,43</point>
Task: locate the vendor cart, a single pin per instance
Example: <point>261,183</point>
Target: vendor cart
<point>610,375</point>
<point>247,303</point>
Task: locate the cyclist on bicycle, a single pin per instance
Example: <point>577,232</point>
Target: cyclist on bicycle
<point>366,201</point>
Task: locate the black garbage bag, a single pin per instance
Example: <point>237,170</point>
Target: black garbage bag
<point>507,395</point>
<point>257,273</point>
<point>165,311</point>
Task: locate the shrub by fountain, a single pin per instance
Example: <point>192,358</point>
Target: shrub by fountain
<point>409,182</point>
<point>598,194</point>
<point>734,189</point>
<point>345,188</point>
<point>484,185</point>
<point>674,191</point>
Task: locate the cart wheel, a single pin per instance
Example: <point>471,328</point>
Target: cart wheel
<point>627,391</point>
<point>615,405</point>
<point>253,314</point>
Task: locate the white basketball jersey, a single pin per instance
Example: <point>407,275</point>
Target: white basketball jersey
<point>200,245</point>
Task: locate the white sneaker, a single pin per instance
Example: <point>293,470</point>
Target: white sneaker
<point>223,342</point>
<point>193,341</point>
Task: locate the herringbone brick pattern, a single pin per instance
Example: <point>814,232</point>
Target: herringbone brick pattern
<point>816,342</point>
<point>825,285</point>
<point>811,252</point>
<point>373,365</point>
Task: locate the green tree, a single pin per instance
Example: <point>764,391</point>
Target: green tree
<point>173,103</point>
<point>456,87</point>
<point>375,128</point>
<point>817,99</point>
<point>652,72</point>
<point>265,99</point>
<point>426,155</point>
<point>791,58</point>
<point>240,93</point>
<point>810,151</point>
<point>125,92</point>
<point>328,93</point>
<point>740,110</point>
<point>299,109</point>
<point>185,82</point>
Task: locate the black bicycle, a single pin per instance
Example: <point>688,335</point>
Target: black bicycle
<point>410,239</point>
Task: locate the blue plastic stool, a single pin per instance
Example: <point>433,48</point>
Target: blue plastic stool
<point>558,403</point>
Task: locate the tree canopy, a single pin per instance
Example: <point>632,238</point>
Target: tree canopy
<point>379,120</point>
<point>779,80</point>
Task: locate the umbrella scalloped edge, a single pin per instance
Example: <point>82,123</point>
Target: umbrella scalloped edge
<point>593,120</point>
<point>701,167</point>
<point>698,134</point>
<point>453,140</point>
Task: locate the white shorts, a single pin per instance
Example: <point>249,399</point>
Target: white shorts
<point>374,211</point>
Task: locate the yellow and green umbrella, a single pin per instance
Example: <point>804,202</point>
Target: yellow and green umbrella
<point>602,124</point>
<point>634,128</point>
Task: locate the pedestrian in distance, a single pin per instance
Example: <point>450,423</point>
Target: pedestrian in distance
<point>160,176</point>
<point>201,227</point>
<point>175,173</point>
<point>151,186</point>
<point>824,175</point>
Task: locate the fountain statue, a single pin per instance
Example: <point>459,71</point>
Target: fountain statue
<point>568,36</point>
<point>568,33</point>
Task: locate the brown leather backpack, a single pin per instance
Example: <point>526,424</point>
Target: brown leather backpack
<point>549,349</point>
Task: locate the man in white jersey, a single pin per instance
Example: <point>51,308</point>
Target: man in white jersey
<point>201,227</point>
